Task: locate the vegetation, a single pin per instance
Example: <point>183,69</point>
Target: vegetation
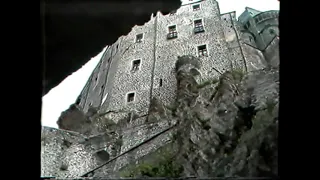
<point>163,164</point>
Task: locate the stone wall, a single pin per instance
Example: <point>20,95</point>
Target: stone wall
<point>232,35</point>
<point>271,53</point>
<point>70,154</point>
<point>139,81</point>
<point>62,155</point>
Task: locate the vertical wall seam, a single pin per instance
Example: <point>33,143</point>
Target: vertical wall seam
<point>154,57</point>
<point>238,39</point>
<point>106,79</point>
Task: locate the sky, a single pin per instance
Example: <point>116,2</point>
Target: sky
<point>59,99</point>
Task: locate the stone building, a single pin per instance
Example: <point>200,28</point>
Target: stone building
<point>139,68</point>
<point>140,65</point>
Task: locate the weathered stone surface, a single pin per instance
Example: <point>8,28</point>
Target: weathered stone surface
<point>233,132</point>
<point>222,127</point>
<point>211,109</point>
<point>75,32</point>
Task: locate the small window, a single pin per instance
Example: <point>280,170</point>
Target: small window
<point>139,37</point>
<point>172,32</point>
<point>129,117</point>
<point>198,26</point>
<point>135,65</point>
<point>202,50</point>
<point>160,83</point>
<point>172,29</point>
<point>271,31</point>
<point>196,7</point>
<point>130,97</point>
<point>101,90</point>
<point>198,23</point>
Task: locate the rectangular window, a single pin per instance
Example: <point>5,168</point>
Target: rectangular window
<point>198,26</point>
<point>136,65</point>
<point>139,38</point>
<point>172,28</point>
<point>172,32</point>
<point>130,97</point>
<point>202,50</point>
<point>196,7</point>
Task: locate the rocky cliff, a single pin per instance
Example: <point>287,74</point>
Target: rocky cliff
<point>226,126</point>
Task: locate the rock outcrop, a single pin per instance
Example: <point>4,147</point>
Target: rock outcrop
<point>227,127</point>
<point>218,128</point>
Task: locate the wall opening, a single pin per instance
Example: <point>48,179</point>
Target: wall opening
<point>198,26</point>
<point>101,90</point>
<point>160,83</point>
<point>196,7</point>
<point>136,65</point>
<point>130,97</point>
<point>172,32</point>
<point>271,31</point>
<point>139,38</point>
<point>202,50</point>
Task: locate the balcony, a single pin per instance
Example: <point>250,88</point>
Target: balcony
<point>198,29</point>
<point>172,35</point>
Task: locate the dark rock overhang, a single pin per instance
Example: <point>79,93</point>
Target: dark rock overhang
<point>75,32</point>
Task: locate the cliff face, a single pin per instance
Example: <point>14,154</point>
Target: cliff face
<point>221,127</point>
<point>225,127</point>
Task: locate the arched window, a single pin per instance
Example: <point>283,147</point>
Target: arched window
<point>272,31</point>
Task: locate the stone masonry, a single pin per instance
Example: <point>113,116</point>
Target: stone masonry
<point>229,44</point>
<point>140,67</point>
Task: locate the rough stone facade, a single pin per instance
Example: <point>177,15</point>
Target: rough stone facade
<point>148,69</point>
<point>242,44</point>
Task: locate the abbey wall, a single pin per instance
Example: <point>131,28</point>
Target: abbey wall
<point>141,66</point>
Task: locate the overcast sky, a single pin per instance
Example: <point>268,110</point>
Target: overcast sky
<point>61,97</point>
